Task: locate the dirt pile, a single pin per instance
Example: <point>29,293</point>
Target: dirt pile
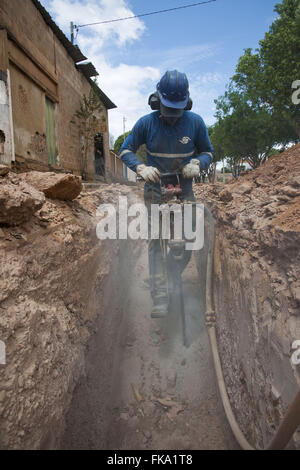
<point>55,186</point>
<point>257,288</point>
<point>18,200</point>
<point>261,212</point>
<point>4,170</point>
<point>53,272</point>
<point>21,195</point>
<point>266,194</point>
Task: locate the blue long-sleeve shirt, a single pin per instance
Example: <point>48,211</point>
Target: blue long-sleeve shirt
<point>168,148</point>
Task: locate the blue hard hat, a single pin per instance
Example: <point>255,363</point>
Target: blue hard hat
<point>173,89</point>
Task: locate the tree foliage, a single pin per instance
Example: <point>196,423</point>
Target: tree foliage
<point>141,153</point>
<point>119,142</point>
<point>256,112</point>
<point>247,132</point>
<point>216,135</point>
<point>266,76</point>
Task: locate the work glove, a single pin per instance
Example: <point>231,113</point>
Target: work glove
<point>192,169</point>
<point>148,173</point>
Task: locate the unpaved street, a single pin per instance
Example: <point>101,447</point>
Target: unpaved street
<point>143,389</point>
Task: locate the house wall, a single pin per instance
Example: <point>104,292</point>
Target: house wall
<point>40,67</point>
<point>29,117</point>
<point>131,175</point>
<point>116,169</point>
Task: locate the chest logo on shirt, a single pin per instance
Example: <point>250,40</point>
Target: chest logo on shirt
<point>184,140</point>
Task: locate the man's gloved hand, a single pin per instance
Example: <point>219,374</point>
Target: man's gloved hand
<point>192,169</point>
<point>148,173</point>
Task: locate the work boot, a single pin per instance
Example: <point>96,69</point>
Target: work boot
<point>160,304</point>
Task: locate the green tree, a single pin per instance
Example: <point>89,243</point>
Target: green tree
<point>216,138</point>
<point>266,75</point>
<point>216,135</point>
<point>119,142</point>
<point>247,131</point>
<point>256,112</point>
<point>141,153</point>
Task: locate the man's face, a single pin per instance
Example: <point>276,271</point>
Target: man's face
<point>171,121</point>
<point>170,115</point>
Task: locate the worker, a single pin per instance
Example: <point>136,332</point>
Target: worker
<point>176,140</point>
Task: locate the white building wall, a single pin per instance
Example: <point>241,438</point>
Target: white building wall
<point>131,175</point>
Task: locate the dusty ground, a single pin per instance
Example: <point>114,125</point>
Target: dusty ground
<point>148,391</point>
<point>76,310</point>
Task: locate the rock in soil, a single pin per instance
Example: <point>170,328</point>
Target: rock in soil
<point>54,185</point>
<point>18,200</point>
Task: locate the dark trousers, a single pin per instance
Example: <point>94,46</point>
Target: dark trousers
<point>159,261</point>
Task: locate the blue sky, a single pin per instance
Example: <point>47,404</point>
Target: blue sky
<point>204,41</point>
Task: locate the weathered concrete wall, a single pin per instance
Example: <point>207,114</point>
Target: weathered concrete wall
<point>40,66</point>
<point>26,23</point>
<point>116,166</point>
<point>116,169</point>
<point>28,103</point>
<point>131,175</point>
<point>257,291</point>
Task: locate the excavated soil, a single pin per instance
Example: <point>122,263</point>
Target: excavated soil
<point>86,366</point>
<point>257,290</point>
<point>269,195</point>
<point>148,391</point>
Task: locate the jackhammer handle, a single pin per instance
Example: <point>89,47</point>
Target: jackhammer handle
<point>162,175</point>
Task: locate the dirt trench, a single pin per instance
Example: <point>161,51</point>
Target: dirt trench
<point>85,360</point>
<point>142,388</point>
<point>86,366</point>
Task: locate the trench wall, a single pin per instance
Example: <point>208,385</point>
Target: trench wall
<point>256,333</point>
<point>257,293</point>
<point>57,280</point>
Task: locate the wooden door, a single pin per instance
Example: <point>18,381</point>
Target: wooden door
<point>50,131</point>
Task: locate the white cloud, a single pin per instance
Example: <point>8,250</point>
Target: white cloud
<point>90,11</point>
<point>186,56</point>
<point>129,86</point>
<point>204,89</point>
<point>126,85</point>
